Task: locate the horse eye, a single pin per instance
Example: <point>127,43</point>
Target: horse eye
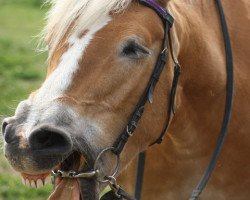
<point>134,50</point>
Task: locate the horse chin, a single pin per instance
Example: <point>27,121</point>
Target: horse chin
<point>66,188</point>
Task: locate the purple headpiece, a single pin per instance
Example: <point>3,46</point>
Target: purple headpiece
<point>162,12</point>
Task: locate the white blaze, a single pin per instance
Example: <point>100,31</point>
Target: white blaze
<point>61,78</point>
<point>58,82</point>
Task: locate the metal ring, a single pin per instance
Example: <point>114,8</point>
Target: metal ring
<point>112,180</point>
<point>104,180</point>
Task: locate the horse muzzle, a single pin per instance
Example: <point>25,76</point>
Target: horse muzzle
<point>51,138</point>
<point>41,151</point>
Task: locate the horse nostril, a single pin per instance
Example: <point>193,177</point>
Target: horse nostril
<point>9,133</point>
<point>50,141</point>
<point>4,125</point>
<point>44,139</point>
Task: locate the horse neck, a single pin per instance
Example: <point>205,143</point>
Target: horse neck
<point>201,91</point>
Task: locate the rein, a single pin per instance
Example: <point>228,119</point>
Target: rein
<point>116,191</point>
<point>228,106</point>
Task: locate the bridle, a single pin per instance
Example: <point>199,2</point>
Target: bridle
<point>117,192</point>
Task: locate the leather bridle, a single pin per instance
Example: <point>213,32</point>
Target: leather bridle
<point>117,192</point>
<point>147,96</point>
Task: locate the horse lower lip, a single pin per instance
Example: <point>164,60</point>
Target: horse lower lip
<point>66,189</point>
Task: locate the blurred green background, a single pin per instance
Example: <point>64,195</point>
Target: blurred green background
<point>22,70</point>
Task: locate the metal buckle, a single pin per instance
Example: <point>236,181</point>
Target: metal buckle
<point>129,132</point>
<point>164,50</point>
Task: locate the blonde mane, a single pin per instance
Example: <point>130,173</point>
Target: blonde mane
<point>79,14</point>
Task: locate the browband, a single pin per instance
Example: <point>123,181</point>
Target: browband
<point>163,13</point>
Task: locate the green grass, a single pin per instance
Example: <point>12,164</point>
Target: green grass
<point>21,68</point>
<point>21,71</point>
<point>12,189</point>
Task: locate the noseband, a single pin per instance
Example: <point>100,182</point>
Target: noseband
<point>117,192</point>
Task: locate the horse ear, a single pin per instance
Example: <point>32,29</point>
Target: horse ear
<point>163,3</point>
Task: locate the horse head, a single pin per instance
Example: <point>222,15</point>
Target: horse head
<point>101,57</point>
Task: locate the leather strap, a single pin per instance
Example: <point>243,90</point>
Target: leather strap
<point>110,196</point>
<point>148,93</point>
<point>119,195</point>
<point>140,175</point>
<point>228,106</point>
<point>227,115</point>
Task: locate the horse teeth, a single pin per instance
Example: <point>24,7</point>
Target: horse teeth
<point>27,182</point>
<point>23,181</point>
<point>39,183</point>
<point>33,184</point>
<point>47,180</point>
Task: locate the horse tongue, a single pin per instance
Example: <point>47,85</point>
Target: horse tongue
<point>67,189</point>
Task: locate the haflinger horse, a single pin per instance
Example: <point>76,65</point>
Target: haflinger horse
<point>101,57</point>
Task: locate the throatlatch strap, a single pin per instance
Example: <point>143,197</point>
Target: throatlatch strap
<point>171,107</point>
<point>228,107</point>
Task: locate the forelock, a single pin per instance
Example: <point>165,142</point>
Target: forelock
<point>76,15</point>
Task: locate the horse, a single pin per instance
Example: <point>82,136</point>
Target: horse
<point>101,56</point>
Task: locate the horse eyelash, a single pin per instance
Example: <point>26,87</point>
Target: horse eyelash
<point>134,50</point>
